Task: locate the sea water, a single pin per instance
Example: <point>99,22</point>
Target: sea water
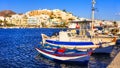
<point>17,50</point>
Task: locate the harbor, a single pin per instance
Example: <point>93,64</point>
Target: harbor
<point>18,50</point>
<point>57,38</point>
<point>77,46</point>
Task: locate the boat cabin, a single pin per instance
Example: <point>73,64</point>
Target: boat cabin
<point>80,24</point>
<point>82,27</point>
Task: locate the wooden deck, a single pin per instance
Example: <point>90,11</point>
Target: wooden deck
<point>115,62</point>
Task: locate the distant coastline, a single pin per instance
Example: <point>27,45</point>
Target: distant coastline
<point>12,27</point>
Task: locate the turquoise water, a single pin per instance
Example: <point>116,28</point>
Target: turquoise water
<point>17,50</point>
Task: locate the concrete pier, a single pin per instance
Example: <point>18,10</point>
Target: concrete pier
<point>115,62</point>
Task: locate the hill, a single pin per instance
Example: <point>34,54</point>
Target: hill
<point>7,13</point>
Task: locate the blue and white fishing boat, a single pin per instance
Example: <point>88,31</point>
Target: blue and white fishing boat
<point>63,55</point>
<point>67,40</point>
<point>82,38</point>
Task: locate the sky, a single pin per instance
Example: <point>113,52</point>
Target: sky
<point>105,9</point>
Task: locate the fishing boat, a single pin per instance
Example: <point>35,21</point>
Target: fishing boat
<point>111,31</point>
<point>63,55</point>
<point>106,47</point>
<point>83,37</point>
<point>68,40</point>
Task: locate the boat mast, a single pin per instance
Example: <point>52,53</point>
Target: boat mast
<point>93,12</point>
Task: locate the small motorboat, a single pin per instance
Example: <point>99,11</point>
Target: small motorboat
<point>64,55</point>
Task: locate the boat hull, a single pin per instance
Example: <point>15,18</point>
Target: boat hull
<point>81,59</point>
<point>72,45</point>
<point>103,49</point>
<point>118,42</point>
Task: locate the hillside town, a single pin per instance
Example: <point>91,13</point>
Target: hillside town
<point>44,18</point>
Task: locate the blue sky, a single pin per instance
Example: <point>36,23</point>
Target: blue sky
<point>106,9</point>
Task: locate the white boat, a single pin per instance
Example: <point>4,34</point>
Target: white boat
<point>68,40</point>
<point>83,38</point>
<point>111,32</point>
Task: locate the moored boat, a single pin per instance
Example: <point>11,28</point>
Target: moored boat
<point>67,40</point>
<point>64,39</point>
<point>83,37</point>
<point>64,55</point>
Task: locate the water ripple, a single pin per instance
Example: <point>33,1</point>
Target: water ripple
<point>17,50</point>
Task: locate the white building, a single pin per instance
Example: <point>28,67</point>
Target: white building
<point>2,18</point>
<point>32,20</point>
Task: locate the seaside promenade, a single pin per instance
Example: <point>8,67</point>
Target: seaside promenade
<point>115,62</point>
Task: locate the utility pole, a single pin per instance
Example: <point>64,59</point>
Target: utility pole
<point>93,13</point>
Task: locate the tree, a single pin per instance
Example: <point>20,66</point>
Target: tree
<point>115,24</point>
<point>64,10</point>
<point>1,21</point>
<point>51,15</point>
<point>43,24</point>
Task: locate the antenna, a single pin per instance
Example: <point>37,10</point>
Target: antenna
<point>93,12</point>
